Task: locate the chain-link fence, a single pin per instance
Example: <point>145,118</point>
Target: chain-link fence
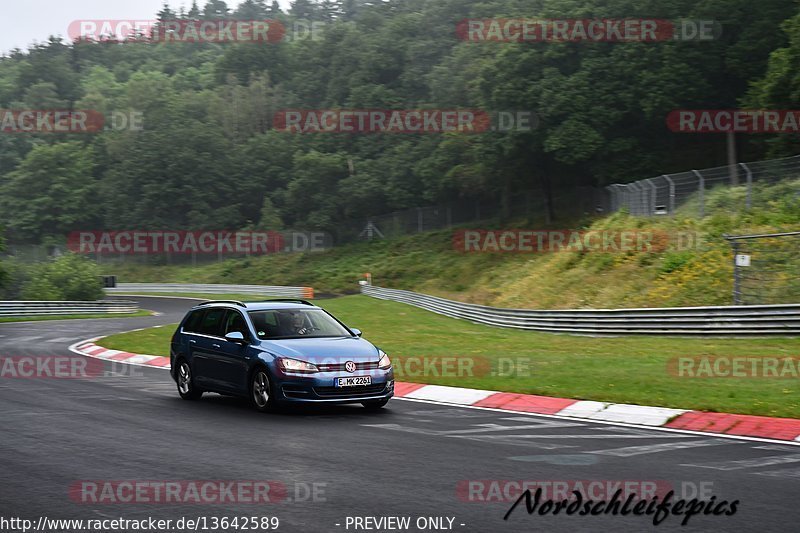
<point>766,268</point>
<point>663,195</point>
<point>530,205</point>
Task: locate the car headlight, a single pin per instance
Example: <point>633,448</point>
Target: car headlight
<point>293,365</point>
<point>384,363</point>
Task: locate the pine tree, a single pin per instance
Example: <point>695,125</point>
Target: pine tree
<point>194,12</point>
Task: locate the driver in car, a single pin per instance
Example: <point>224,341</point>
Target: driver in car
<point>298,324</point>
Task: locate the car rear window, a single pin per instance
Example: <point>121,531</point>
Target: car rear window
<point>212,321</point>
<point>192,322</point>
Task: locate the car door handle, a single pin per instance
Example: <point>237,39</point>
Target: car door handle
<point>215,345</point>
<point>192,341</point>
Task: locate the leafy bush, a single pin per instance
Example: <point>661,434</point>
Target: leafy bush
<point>70,277</point>
<point>675,260</point>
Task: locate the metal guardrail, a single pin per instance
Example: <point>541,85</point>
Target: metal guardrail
<point>213,288</point>
<point>57,308</point>
<point>738,320</point>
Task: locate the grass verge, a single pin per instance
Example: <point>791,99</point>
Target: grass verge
<point>142,312</point>
<point>622,370</point>
<point>199,296</point>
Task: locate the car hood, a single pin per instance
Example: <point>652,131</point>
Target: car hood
<point>324,349</point>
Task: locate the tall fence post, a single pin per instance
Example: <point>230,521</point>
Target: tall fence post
<point>701,192</point>
<point>737,293</point>
<point>749,174</point>
<point>671,194</point>
<point>626,201</point>
<point>642,198</point>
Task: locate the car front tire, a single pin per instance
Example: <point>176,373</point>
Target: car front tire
<point>261,391</point>
<point>185,380</point>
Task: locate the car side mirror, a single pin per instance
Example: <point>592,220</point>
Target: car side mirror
<point>356,332</point>
<point>235,336</point>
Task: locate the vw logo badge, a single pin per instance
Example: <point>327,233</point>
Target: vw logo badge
<point>350,366</point>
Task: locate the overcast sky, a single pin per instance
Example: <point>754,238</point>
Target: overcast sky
<point>26,21</point>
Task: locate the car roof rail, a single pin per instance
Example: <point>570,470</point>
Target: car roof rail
<point>235,302</point>
<point>288,300</point>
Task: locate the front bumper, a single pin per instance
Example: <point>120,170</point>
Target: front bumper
<point>319,388</point>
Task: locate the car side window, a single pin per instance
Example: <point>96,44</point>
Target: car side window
<point>213,321</point>
<point>235,322</point>
<point>192,324</point>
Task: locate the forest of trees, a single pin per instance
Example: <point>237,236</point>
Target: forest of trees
<point>208,158</point>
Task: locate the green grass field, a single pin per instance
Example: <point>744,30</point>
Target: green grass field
<point>623,369</point>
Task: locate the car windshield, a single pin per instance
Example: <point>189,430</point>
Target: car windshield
<point>295,324</point>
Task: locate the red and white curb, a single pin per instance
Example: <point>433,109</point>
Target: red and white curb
<point>90,349</point>
<point>784,429</point>
<point>743,426</point>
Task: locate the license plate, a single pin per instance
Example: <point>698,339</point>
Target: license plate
<point>354,381</point>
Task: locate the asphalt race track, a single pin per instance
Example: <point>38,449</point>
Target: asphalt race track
<point>413,459</point>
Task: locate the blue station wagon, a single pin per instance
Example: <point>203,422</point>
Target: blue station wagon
<point>276,353</point>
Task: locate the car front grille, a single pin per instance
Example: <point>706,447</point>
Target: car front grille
<point>339,367</point>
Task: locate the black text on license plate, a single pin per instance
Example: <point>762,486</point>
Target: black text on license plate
<point>354,381</point>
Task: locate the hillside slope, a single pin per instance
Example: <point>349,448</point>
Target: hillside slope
<point>429,263</point>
